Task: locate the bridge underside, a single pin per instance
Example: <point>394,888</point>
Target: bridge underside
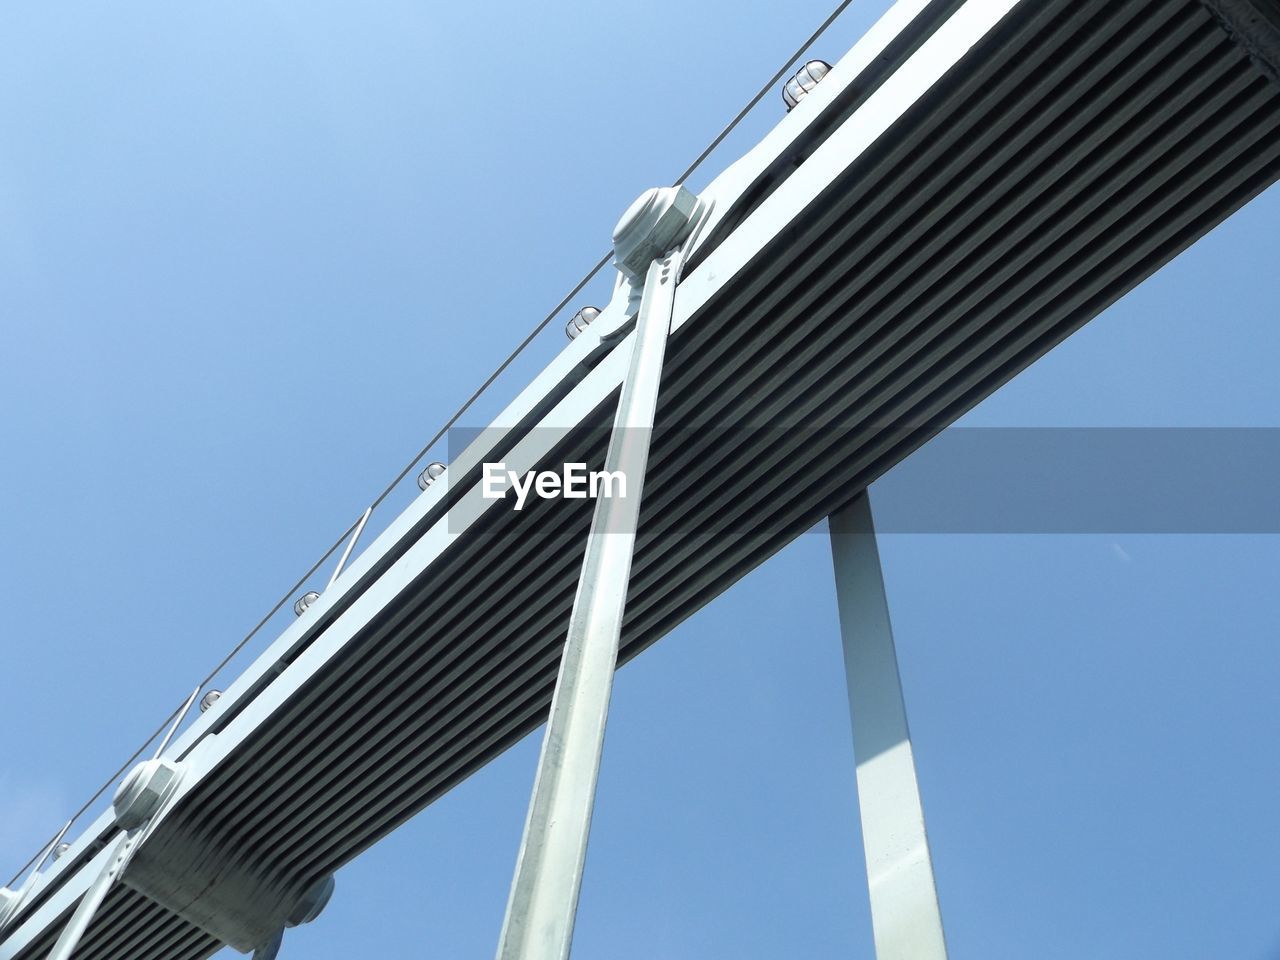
<point>1068,155</point>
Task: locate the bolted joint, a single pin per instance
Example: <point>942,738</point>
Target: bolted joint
<point>658,221</point>
<point>144,790</point>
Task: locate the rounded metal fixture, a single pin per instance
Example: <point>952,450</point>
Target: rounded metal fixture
<point>580,321</point>
<point>209,699</point>
<point>146,787</point>
<point>60,849</point>
<point>311,902</point>
<point>435,470</point>
<point>806,78</point>
<point>305,601</point>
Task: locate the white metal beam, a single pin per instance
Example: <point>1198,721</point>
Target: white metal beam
<point>548,876</point>
<point>905,917</point>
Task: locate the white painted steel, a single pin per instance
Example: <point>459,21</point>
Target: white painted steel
<point>351,544</point>
<point>1180,139</point>
<point>548,876</point>
<point>117,855</point>
<point>177,722</point>
<point>905,918</point>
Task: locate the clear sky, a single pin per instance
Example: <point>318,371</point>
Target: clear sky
<point>253,254</point>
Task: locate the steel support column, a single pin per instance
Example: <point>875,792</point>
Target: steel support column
<point>905,918</point>
<point>548,877</point>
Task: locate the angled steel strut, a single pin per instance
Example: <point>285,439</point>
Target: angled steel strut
<point>548,874</point>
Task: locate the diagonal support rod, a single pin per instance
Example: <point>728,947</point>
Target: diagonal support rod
<point>548,875</point>
<point>905,918</point>
<point>119,851</point>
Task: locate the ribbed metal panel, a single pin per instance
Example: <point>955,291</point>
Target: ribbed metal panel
<point>1076,150</point>
<point>131,927</point>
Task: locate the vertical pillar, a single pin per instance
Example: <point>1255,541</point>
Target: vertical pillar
<point>905,918</point>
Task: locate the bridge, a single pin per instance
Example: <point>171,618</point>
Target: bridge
<point>966,187</point>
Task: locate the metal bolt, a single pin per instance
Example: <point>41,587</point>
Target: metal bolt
<point>144,790</point>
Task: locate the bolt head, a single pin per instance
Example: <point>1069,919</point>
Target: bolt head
<point>653,225</point>
<point>146,787</point>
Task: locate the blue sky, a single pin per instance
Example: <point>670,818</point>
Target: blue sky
<point>253,254</point>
